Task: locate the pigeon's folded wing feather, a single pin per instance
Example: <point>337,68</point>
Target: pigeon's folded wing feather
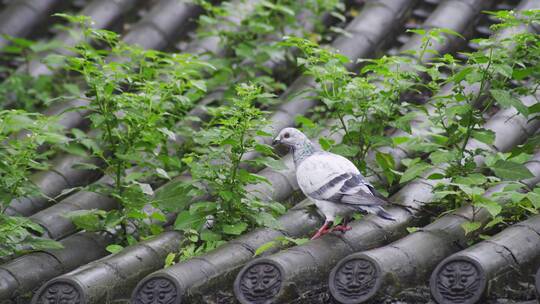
<point>333,178</point>
<point>324,169</point>
<point>350,190</point>
<point>329,176</point>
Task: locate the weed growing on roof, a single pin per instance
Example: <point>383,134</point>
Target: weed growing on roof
<point>21,90</point>
<point>367,108</point>
<point>215,167</point>
<point>362,106</point>
<point>250,35</point>
<point>137,98</point>
<point>19,156</point>
<point>136,103</point>
<point>503,72</point>
<point>133,104</point>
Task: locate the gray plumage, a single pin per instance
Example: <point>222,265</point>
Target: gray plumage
<point>331,181</point>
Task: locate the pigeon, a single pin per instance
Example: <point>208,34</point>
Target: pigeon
<point>331,181</point>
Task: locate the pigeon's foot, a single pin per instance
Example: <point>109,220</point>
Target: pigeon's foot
<point>322,231</point>
<point>319,234</point>
<point>342,228</point>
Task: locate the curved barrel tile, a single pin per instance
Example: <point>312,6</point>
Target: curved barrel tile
<point>464,277</point>
<point>111,277</point>
<point>19,17</point>
<point>26,273</point>
<point>207,276</point>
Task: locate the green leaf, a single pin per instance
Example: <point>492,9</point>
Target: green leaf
<point>87,219</point>
<point>40,243</point>
<point>267,220</point>
<point>448,31</point>
<point>199,84</point>
<point>145,188</point>
<point>471,179</point>
<point>133,176</point>
<point>414,171</point>
<point>75,149</point>
<point>297,241</point>
<point>470,226</point>
<point>398,140</point>
<point>264,149</point>
<point>494,222</point>
<point>304,121</point>
<point>485,136</point>
<point>168,133</point>
<point>169,260</point>
<point>276,164</point>
<point>503,69</point>
<point>210,236</point>
<point>436,176</point>
<point>471,191</point>
<point>203,207</point>
<point>235,229</point>
<point>251,178</point>
<point>265,247</point>
<point>173,196</point>
<point>439,157</point>
<point>412,229</point>
<point>520,74</point>
<point>460,76</point>
<point>263,133</point>
<point>114,248</point>
<point>186,221</point>
<point>385,160</point>
<point>534,198</point>
<point>158,216</point>
<point>277,207</point>
<point>509,170</point>
<point>73,89</point>
<point>506,100</point>
<point>345,150</point>
<point>491,206</point>
<point>325,143</point>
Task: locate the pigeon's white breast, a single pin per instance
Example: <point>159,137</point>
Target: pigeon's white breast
<point>320,168</point>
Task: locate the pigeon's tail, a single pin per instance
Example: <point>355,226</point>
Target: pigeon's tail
<point>379,211</point>
<point>384,214</point>
<point>368,203</point>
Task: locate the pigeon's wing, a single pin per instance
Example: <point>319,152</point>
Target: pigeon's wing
<point>324,173</point>
<point>357,183</point>
<point>340,186</point>
<point>348,189</point>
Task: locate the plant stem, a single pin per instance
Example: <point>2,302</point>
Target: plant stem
<point>470,123</point>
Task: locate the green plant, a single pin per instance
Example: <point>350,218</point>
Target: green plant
<point>19,157</point>
<point>19,89</point>
<point>502,77</point>
<point>364,106</point>
<point>134,102</point>
<point>252,41</point>
<point>215,167</point>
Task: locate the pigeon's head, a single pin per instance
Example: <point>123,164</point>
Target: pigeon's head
<point>290,137</point>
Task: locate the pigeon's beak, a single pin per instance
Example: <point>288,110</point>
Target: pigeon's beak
<point>276,141</point>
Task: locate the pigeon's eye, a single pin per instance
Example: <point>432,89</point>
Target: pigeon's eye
<point>286,135</point>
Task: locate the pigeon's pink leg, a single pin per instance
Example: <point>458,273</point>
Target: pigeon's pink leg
<point>342,228</point>
<point>323,230</point>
